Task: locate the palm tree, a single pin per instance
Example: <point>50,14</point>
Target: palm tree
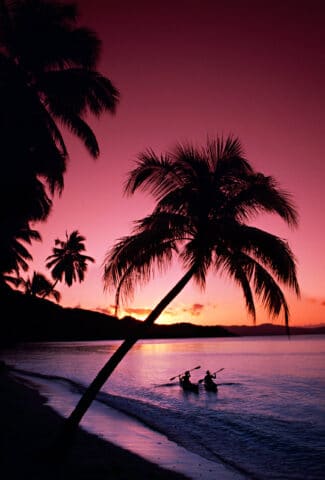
<point>205,198</point>
<point>67,262</point>
<point>16,256</point>
<point>39,286</point>
<point>48,83</point>
<point>17,210</point>
<point>49,76</point>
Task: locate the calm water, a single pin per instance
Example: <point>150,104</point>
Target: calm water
<point>266,421</point>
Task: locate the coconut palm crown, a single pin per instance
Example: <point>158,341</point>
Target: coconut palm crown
<point>67,262</point>
<point>205,199</point>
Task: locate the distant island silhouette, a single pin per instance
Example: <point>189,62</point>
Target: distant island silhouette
<point>29,318</point>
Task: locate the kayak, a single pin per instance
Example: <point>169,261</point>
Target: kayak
<point>189,387</point>
<point>211,387</point>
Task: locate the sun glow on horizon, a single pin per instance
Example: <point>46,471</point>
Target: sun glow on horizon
<point>308,311</point>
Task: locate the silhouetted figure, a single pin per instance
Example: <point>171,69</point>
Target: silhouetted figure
<point>186,383</point>
<point>185,379</point>
<point>208,381</point>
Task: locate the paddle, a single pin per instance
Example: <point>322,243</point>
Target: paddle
<point>217,371</point>
<point>195,368</point>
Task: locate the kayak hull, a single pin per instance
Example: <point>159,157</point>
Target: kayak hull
<point>189,387</point>
<point>211,388</point>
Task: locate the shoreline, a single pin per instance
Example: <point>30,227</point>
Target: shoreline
<point>125,431</point>
<point>28,427</point>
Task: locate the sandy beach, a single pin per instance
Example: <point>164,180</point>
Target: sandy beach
<point>28,427</point>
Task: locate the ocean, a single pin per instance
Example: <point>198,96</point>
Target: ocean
<point>266,422</point>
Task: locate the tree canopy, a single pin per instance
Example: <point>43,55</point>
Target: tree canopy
<point>49,83</point>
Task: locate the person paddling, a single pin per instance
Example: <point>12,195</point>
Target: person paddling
<point>208,380</point>
<point>185,379</point>
<point>186,383</point>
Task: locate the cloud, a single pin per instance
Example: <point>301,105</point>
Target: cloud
<point>194,310</point>
<point>110,310</point>
<point>172,312</point>
<point>320,301</point>
<point>311,300</point>
<point>137,311</point>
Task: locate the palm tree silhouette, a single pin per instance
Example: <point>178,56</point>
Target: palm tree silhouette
<point>49,84</point>
<point>205,197</point>
<point>67,261</point>
<point>16,255</point>
<point>39,286</point>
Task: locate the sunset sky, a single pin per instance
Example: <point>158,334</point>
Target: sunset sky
<point>186,70</point>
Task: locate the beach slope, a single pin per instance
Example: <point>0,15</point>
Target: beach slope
<point>27,429</point>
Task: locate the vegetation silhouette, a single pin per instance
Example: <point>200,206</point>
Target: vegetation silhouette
<point>15,255</point>
<point>49,84</point>
<point>68,264</point>
<point>67,261</point>
<point>204,199</point>
<point>39,286</point>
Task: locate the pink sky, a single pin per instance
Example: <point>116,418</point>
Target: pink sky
<point>185,70</point>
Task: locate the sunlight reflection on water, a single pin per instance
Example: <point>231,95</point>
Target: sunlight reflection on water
<point>270,398</point>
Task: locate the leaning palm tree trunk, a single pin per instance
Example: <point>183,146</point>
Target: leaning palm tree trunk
<point>87,398</point>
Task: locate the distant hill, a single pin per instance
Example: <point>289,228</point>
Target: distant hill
<point>28,318</point>
<point>271,329</point>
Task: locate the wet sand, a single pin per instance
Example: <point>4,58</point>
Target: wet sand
<point>27,429</point>
<point>30,422</point>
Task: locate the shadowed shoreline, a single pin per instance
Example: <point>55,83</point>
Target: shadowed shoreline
<point>28,427</point>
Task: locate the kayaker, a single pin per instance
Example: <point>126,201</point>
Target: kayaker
<point>208,379</point>
<point>185,379</point>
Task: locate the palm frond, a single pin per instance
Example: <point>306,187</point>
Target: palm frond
<point>154,174</point>
<point>80,128</point>
<point>270,293</point>
<point>272,251</point>
<point>240,268</point>
<point>12,280</point>
<point>73,91</point>
<point>15,255</point>
<point>226,157</point>
<point>134,259</point>
<point>259,193</point>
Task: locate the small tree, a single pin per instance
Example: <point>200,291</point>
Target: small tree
<point>39,286</point>
<point>67,262</point>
